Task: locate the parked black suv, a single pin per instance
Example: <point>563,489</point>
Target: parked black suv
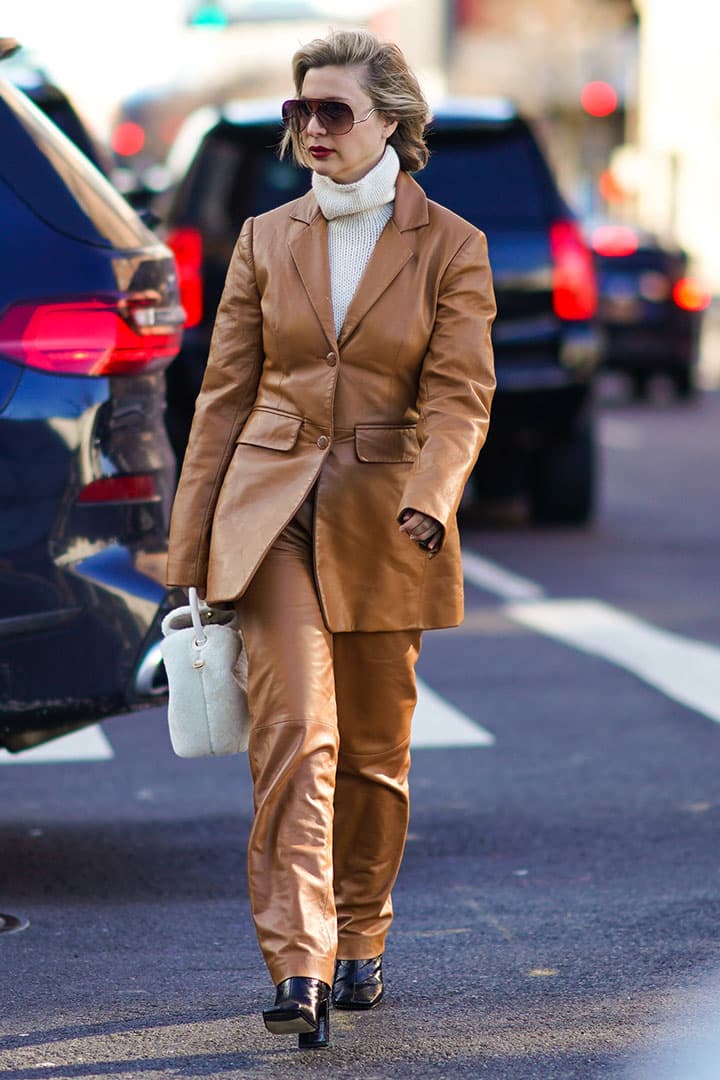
<point>650,310</point>
<point>89,319</point>
<point>487,166</point>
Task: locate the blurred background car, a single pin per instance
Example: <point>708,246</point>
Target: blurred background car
<point>650,309</point>
<point>89,319</point>
<point>487,166</point>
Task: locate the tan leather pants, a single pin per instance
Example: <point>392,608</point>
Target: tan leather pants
<point>330,736</point>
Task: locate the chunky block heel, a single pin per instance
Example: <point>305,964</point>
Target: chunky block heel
<point>301,1008</point>
<point>318,1040</point>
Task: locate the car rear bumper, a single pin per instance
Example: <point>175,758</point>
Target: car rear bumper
<point>100,659</point>
<point>533,418</point>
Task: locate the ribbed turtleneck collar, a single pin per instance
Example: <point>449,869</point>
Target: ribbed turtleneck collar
<point>376,188</point>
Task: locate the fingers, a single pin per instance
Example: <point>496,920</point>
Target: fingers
<point>424,530</point>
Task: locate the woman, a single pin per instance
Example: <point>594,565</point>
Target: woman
<point>346,399</point>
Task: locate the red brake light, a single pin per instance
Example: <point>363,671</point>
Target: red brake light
<point>614,240</point>
<point>97,336</point>
<point>113,489</point>
<point>598,99</point>
<point>128,138</point>
<point>187,246</point>
<point>689,295</point>
<point>574,284</point>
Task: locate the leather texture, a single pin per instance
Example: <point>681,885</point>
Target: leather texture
<point>390,415</point>
<point>301,1007</point>
<point>297,1006</point>
<point>358,984</point>
<point>329,755</point>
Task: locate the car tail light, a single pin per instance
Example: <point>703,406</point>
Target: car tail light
<point>96,336</point>
<point>614,240</point>
<point>574,284</point>
<point>114,489</point>
<point>187,246</point>
<point>128,138</point>
<point>689,295</point>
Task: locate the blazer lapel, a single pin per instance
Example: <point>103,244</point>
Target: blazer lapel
<point>390,254</point>
<point>309,250</point>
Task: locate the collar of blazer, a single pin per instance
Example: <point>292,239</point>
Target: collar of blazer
<point>309,250</point>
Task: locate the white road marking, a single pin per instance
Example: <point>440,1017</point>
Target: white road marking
<point>496,579</point>
<point>618,434</point>
<point>438,723</point>
<point>686,670</point>
<point>90,744</point>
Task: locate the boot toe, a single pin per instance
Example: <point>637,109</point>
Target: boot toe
<point>358,984</point>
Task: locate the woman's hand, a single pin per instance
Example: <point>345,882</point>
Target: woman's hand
<point>424,530</point>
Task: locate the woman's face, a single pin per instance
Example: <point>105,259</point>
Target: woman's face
<point>344,158</point>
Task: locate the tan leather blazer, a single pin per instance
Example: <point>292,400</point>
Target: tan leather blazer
<point>390,415</point>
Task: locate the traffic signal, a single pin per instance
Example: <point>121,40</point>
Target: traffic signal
<point>209,15</point>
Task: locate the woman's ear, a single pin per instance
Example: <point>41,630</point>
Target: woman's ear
<point>389,128</point>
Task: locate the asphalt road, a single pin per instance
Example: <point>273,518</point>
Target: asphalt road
<point>558,907</point>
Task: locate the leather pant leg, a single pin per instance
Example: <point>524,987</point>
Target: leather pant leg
<point>292,757</point>
<point>376,695</point>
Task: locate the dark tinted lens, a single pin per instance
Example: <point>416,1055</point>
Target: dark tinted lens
<point>296,113</point>
<point>335,116</point>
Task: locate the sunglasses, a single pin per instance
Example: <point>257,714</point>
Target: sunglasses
<point>336,117</point>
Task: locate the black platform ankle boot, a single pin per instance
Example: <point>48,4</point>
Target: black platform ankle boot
<point>358,984</point>
<point>301,1008</point>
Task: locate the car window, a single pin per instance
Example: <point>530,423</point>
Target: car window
<point>642,260</point>
<point>239,177</point>
<point>55,180</point>
<point>62,114</point>
<point>491,178</point>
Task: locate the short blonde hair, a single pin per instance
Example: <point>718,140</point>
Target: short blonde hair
<point>390,84</point>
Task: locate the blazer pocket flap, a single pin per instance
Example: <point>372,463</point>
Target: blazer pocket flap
<point>275,431</point>
<point>386,443</point>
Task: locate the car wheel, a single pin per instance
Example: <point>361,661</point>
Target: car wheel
<point>639,384</point>
<point>683,383</point>
<point>562,480</point>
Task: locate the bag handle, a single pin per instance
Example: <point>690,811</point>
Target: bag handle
<point>200,635</point>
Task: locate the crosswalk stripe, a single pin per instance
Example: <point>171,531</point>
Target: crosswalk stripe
<point>495,579</point>
<point>686,670</point>
<point>438,723</point>
<point>90,744</point>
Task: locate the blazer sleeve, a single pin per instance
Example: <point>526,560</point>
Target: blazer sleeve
<point>457,382</point>
<point>226,397</point>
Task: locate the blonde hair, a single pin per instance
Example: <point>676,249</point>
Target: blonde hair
<point>390,84</point>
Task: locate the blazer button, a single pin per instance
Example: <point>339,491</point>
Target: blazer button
<point>331,359</point>
<point>323,442</point>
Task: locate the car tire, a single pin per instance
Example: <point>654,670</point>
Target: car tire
<point>684,384</point>
<point>562,480</point>
<point>640,387</point>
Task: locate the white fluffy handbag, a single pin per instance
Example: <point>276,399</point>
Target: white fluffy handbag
<point>207,679</point>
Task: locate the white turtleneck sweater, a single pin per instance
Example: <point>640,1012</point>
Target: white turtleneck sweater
<point>356,215</point>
